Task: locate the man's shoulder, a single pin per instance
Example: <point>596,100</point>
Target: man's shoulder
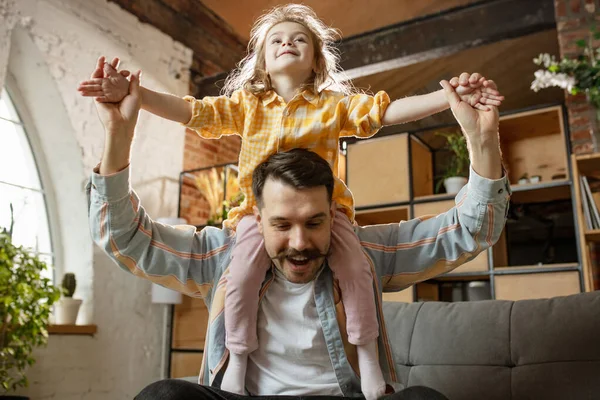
<point>377,234</point>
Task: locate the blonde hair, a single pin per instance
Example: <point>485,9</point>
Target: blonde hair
<point>251,73</point>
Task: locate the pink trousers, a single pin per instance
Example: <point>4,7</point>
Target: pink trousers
<point>250,263</point>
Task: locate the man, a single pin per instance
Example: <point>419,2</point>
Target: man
<point>303,347</point>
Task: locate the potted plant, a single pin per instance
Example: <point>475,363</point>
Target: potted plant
<point>457,169</point>
<point>26,298</point>
<point>67,308</point>
<point>221,196</point>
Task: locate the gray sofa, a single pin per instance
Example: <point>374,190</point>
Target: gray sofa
<point>530,349</point>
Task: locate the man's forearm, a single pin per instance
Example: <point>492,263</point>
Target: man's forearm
<point>415,107</point>
<point>117,152</point>
<point>166,105</point>
<point>485,155</point>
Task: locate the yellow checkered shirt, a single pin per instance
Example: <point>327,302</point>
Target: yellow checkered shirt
<point>268,125</point>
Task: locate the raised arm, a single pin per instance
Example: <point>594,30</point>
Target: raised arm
<point>180,259</point>
<point>107,85</point>
<point>419,249</point>
<point>472,88</point>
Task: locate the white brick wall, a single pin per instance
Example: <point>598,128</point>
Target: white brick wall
<point>54,45</point>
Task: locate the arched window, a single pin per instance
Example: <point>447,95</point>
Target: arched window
<point>21,187</point>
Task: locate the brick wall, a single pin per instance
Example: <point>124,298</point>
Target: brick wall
<point>573,19</point>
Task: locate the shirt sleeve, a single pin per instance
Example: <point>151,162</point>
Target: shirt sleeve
<point>213,117</point>
<point>363,114</point>
<point>422,248</point>
<point>175,257</point>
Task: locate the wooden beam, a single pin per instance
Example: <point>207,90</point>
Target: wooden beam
<point>431,37</point>
<point>444,34</point>
<point>215,45</point>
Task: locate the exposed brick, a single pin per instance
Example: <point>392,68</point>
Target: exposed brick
<point>560,8</point>
<point>580,135</point>
<point>583,147</point>
<point>570,24</point>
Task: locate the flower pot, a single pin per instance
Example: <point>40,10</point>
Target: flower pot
<point>454,184</point>
<point>66,310</point>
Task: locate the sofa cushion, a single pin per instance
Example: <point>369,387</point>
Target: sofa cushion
<point>557,381</point>
<point>463,382</point>
<point>469,333</point>
<point>558,329</point>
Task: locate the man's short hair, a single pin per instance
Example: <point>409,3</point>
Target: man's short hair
<point>299,168</point>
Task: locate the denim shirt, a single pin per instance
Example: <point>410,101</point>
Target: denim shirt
<point>195,263</point>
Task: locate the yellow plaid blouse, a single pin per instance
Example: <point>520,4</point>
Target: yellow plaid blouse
<point>268,125</point>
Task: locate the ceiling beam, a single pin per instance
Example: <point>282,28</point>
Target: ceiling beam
<point>432,37</point>
<point>215,46</point>
<point>443,34</point>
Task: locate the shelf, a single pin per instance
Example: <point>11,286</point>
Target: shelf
<point>592,235</point>
<point>589,164</point>
<point>385,215</point>
<point>434,197</point>
<point>72,329</point>
<point>528,269</point>
<point>465,276</point>
<point>541,192</point>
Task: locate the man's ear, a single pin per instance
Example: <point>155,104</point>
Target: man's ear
<point>258,219</point>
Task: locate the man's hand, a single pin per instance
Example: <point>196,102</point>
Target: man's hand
<point>106,85</point>
<point>119,120</point>
<point>475,121</point>
<point>121,116</point>
<point>477,91</point>
<point>480,127</point>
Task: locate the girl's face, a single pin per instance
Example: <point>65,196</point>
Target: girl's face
<point>289,50</point>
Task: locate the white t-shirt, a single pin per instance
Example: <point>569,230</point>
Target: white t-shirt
<point>292,357</point>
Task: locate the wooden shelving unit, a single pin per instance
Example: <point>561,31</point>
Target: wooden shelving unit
<point>585,165</point>
<point>533,142</point>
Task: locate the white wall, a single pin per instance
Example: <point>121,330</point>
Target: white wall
<point>47,47</point>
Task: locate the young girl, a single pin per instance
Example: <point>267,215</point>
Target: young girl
<point>278,99</point>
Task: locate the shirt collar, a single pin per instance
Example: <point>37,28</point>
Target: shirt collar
<point>308,95</point>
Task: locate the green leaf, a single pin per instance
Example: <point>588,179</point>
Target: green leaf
<point>581,43</point>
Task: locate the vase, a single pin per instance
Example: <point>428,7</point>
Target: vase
<point>66,310</point>
<point>454,184</point>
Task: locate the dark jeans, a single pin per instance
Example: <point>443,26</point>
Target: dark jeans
<point>175,389</point>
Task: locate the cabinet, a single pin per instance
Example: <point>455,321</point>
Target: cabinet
<point>539,253</point>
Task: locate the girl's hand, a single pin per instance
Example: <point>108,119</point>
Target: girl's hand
<point>477,91</point>
<point>106,85</point>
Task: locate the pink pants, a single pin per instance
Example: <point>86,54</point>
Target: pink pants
<point>250,263</point>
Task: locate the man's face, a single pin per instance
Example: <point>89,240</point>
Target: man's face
<point>296,226</point>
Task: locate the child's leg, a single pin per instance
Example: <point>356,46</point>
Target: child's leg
<point>249,264</point>
<point>353,271</point>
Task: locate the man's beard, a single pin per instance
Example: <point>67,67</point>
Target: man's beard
<point>310,254</point>
<point>296,277</point>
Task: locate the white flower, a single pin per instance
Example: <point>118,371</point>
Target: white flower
<point>545,59</point>
<point>545,79</point>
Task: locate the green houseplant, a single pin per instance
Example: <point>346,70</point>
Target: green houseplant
<point>457,169</point>
<point>26,298</point>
